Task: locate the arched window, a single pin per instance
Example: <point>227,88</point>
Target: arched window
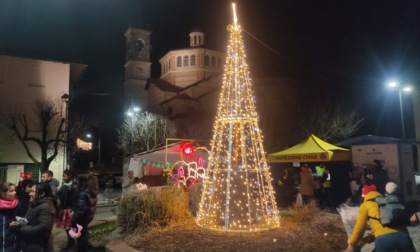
<point>179,61</point>
<point>185,60</point>
<point>199,40</point>
<point>192,60</point>
<point>206,60</point>
<point>213,61</point>
<point>164,68</point>
<point>169,65</point>
<point>195,39</point>
<point>219,62</point>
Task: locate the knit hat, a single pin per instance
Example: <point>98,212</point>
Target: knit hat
<point>367,189</point>
<point>391,187</point>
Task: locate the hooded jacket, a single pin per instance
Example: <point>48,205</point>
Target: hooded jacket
<point>369,208</point>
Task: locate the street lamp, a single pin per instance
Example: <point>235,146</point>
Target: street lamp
<point>65,98</point>
<point>407,88</point>
<point>133,111</point>
<point>89,136</point>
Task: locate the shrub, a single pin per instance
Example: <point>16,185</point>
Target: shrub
<point>140,211</point>
<point>100,231</point>
<point>306,213</point>
<point>195,197</point>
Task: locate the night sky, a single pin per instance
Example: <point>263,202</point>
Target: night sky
<point>349,47</point>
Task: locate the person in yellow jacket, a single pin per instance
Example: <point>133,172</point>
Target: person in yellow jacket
<point>386,239</point>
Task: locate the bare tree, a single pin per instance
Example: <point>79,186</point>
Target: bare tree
<point>331,123</point>
<point>143,133</point>
<point>45,126</point>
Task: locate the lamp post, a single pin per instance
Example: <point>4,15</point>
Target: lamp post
<point>133,111</point>
<point>65,99</point>
<point>394,84</point>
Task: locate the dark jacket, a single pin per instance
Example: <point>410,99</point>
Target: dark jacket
<point>23,198</point>
<point>66,195</point>
<point>54,183</point>
<point>34,236</point>
<point>84,208</point>
<point>7,235</point>
<point>380,178</point>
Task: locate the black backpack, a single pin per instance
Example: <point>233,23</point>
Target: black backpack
<point>392,213</point>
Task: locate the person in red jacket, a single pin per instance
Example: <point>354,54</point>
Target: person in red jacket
<point>386,239</point>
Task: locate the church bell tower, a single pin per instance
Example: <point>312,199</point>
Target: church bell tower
<point>137,67</point>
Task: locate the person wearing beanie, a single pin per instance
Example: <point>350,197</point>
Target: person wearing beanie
<point>391,188</point>
<point>386,239</point>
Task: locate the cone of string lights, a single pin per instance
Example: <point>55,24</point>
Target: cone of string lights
<point>237,193</point>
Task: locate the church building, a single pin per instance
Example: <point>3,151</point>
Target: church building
<point>187,91</point>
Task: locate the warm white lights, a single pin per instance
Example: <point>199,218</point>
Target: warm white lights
<point>83,145</point>
<point>237,195</point>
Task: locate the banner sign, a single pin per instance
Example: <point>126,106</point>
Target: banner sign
<point>310,157</point>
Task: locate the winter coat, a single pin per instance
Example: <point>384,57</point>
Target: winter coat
<point>66,195</point>
<point>7,235</point>
<point>35,235</point>
<point>369,208</point>
<point>54,183</point>
<point>380,178</point>
<point>84,208</point>
<point>23,198</point>
<point>306,186</point>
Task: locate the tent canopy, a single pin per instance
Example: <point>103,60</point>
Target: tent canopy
<point>311,149</point>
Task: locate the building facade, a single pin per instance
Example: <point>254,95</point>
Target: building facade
<point>188,89</point>
<point>24,81</point>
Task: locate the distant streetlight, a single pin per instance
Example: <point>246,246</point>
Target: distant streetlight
<point>89,136</point>
<point>133,112</point>
<point>407,88</point>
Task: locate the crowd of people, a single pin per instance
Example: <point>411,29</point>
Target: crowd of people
<point>310,186</point>
<point>371,182</point>
<point>29,210</point>
<point>375,183</point>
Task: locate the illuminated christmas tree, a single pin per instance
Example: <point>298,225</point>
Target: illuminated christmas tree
<point>237,194</point>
